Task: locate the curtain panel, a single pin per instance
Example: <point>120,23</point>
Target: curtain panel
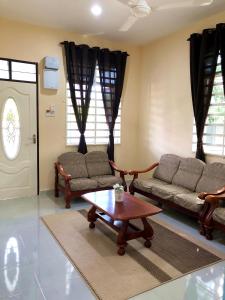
<point>80,63</point>
<point>204,51</point>
<point>112,65</point>
<point>220,28</point>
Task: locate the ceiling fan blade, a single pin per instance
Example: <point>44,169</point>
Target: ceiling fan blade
<point>183,4</point>
<point>129,23</point>
<point>128,2</point>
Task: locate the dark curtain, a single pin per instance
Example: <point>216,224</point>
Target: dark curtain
<point>220,28</point>
<point>112,65</point>
<point>204,52</point>
<point>81,63</point>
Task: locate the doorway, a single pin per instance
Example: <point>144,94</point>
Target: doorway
<point>18,131</point>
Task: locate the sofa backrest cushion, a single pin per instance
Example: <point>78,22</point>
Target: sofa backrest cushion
<point>168,166</point>
<point>213,178</point>
<point>189,173</point>
<point>97,164</point>
<point>74,164</point>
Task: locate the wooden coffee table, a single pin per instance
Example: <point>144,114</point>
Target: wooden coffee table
<point>118,214</point>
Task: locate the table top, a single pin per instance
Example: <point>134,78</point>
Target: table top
<point>130,208</point>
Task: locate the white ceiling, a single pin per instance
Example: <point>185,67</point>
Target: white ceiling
<point>74,15</point>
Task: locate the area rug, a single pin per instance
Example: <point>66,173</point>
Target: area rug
<point>114,277</point>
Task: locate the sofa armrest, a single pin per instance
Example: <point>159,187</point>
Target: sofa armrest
<point>214,199</point>
<point>206,218</point>
<point>122,173</point>
<point>115,168</point>
<point>203,195</point>
<point>136,172</point>
<point>60,170</point>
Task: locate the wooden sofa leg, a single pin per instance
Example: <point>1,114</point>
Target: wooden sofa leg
<point>56,191</point>
<point>202,229</point>
<point>202,218</point>
<point>56,182</point>
<point>68,195</point>
<point>67,201</point>
<point>208,232</point>
<point>131,189</point>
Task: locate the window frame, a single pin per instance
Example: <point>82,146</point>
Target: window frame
<point>94,91</point>
<point>10,61</point>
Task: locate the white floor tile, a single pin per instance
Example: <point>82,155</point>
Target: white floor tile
<point>34,267</point>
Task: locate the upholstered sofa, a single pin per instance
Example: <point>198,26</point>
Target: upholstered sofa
<point>77,174</point>
<point>179,183</point>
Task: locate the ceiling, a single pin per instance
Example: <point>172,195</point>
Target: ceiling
<point>75,15</point>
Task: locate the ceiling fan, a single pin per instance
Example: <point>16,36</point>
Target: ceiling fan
<point>141,9</point>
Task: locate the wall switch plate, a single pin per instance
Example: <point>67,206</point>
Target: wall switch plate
<point>50,112</point>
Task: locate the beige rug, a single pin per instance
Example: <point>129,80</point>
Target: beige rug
<point>114,277</point>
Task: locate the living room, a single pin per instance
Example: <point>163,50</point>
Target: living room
<point>155,118</point>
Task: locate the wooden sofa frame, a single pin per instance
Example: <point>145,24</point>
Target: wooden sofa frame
<point>69,194</point>
<point>132,189</point>
<point>211,203</point>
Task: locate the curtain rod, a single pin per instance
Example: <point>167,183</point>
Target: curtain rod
<point>63,43</point>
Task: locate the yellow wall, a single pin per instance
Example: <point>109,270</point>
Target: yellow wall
<point>165,110</point>
<point>32,43</point>
<point>156,105</point>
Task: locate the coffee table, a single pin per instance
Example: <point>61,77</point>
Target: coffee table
<point>118,215</point>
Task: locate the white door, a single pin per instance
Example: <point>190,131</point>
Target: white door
<point>18,145</point>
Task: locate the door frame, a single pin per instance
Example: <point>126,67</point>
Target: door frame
<point>10,60</point>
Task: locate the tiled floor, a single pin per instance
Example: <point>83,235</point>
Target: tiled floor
<point>33,266</point>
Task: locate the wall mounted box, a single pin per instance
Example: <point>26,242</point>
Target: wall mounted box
<point>51,62</point>
<point>51,79</point>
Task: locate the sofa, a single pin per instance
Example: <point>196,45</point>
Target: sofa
<point>77,174</point>
<point>180,183</point>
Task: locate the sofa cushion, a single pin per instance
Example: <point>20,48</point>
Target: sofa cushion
<point>74,164</point>
<point>219,215</point>
<point>107,180</point>
<point>97,164</point>
<point>80,184</point>
<point>213,178</point>
<point>147,184</point>
<point>168,191</point>
<point>168,166</point>
<point>189,201</point>
<point>189,173</point>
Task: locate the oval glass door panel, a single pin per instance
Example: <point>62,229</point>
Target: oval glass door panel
<point>11,129</point>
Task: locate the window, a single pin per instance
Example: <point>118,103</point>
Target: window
<point>11,129</point>
<point>4,69</point>
<point>97,132</point>
<point>17,70</point>
<point>214,132</point>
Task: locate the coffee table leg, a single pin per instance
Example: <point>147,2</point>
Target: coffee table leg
<point>121,240</point>
<point>147,233</point>
<point>92,217</point>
